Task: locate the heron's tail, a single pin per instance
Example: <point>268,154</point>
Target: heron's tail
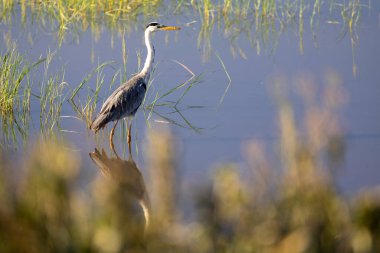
<point>99,122</point>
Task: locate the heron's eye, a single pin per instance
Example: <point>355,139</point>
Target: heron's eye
<point>153,24</point>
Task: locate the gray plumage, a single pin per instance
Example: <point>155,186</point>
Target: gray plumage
<point>126,99</point>
<point>123,102</point>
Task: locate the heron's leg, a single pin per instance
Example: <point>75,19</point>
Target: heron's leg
<point>111,137</point>
<point>129,137</point>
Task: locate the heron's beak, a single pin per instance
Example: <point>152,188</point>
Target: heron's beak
<point>169,28</point>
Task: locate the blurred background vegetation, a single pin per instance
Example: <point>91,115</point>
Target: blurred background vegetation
<point>290,206</point>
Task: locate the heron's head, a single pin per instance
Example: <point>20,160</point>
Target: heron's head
<point>154,26</point>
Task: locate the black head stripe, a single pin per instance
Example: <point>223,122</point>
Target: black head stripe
<point>152,24</point>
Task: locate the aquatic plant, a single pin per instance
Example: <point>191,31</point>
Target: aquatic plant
<point>261,22</point>
<point>85,108</point>
<point>228,15</point>
<point>18,90</point>
<point>171,98</point>
<point>15,90</point>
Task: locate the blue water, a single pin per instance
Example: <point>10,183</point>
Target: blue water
<point>248,111</point>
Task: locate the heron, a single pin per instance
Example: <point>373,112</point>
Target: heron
<point>126,99</point>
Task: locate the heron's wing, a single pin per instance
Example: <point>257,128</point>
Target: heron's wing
<point>111,98</point>
<point>131,98</point>
<point>126,99</point>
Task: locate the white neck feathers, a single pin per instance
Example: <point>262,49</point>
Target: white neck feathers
<point>149,57</point>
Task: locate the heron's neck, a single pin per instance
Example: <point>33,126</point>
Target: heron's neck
<point>145,72</point>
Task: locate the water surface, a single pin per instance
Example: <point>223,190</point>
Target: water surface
<point>213,128</point>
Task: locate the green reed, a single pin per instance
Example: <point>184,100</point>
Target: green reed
<point>52,95</point>
<point>86,107</point>
<point>162,97</point>
<point>87,14</point>
<point>260,21</point>
<point>18,90</point>
<point>351,15</point>
<point>67,14</point>
<point>13,72</point>
<point>15,91</point>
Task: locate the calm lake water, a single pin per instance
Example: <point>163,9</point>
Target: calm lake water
<point>248,111</point>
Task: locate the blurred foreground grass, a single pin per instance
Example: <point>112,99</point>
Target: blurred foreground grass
<point>292,207</point>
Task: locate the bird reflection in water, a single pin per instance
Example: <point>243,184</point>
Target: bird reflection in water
<point>131,195</point>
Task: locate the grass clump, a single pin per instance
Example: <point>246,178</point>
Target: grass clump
<point>62,16</point>
<point>18,93</point>
<point>13,72</point>
<point>15,91</point>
